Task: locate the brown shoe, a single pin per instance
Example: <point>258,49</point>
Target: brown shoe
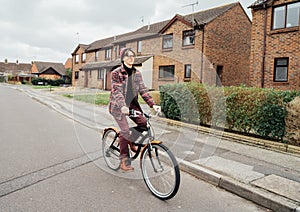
<point>125,165</point>
<point>133,147</point>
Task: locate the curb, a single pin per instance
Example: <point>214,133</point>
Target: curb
<point>259,196</point>
<point>258,142</point>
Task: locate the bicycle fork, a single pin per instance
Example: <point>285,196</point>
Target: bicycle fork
<point>158,167</point>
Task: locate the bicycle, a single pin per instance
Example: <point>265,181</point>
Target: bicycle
<point>159,166</point>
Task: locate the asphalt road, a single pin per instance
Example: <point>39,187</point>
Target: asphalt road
<point>51,163</point>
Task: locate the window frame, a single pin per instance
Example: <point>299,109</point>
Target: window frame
<point>100,73</point>
<point>167,37</point>
<point>139,46</point>
<point>108,53</point>
<point>97,55</point>
<point>187,76</point>
<point>76,75</point>
<point>83,57</point>
<point>185,34</point>
<point>276,66</point>
<point>285,16</point>
<point>162,71</point>
<point>77,58</point>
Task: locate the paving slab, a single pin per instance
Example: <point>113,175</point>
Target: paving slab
<point>239,171</point>
<point>279,185</point>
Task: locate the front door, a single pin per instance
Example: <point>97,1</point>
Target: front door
<point>219,75</point>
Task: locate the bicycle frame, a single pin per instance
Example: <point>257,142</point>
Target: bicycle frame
<point>141,144</point>
<point>156,160</point>
<point>149,135</point>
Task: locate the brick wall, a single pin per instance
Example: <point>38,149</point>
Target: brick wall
<point>279,43</point>
<point>227,43</point>
<point>80,81</point>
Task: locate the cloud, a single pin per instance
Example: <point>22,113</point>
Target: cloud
<point>51,29</point>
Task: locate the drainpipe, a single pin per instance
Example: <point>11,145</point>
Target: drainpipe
<point>202,51</point>
<point>264,48</point>
<point>200,27</point>
<point>104,80</point>
<point>202,55</point>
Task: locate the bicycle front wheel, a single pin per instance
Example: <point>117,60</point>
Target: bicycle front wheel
<point>160,171</point>
<point>111,149</point>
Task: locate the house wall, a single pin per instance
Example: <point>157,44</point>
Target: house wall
<point>34,69</point>
<point>279,43</point>
<point>93,81</point>
<point>178,56</point>
<point>147,73</point>
<point>76,66</point>
<point>50,76</point>
<point>227,42</point>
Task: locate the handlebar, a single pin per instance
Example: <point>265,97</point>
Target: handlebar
<point>136,113</point>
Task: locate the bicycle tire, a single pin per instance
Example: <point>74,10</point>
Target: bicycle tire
<point>165,180</point>
<point>111,149</point>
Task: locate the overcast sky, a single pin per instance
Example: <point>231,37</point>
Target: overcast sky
<point>50,30</point>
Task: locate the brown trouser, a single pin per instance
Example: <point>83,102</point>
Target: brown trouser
<point>125,133</point>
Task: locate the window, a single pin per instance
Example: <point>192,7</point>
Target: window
<point>286,16</point>
<point>96,55</point>
<point>107,53</point>
<point>166,72</point>
<point>101,73</point>
<point>168,41</point>
<point>139,46</point>
<point>188,38</point>
<point>83,57</point>
<point>281,69</point>
<point>77,58</point>
<point>76,74</point>
<point>187,71</point>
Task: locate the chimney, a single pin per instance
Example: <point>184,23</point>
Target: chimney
<point>5,61</point>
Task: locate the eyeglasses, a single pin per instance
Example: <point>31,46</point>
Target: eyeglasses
<point>130,55</point>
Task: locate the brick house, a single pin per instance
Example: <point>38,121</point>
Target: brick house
<point>275,44</point>
<point>203,47</point>
<point>18,72</point>
<point>68,63</point>
<point>48,70</point>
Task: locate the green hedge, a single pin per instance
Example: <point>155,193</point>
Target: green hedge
<point>38,81</point>
<point>247,110</point>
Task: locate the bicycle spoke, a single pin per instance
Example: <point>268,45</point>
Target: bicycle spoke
<point>160,172</point>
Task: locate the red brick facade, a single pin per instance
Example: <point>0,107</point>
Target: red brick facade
<point>221,41</point>
<point>268,44</point>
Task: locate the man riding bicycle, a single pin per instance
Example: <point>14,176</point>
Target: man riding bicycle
<point>127,83</point>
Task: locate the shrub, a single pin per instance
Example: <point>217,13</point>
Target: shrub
<point>38,81</point>
<point>179,103</point>
<point>247,110</point>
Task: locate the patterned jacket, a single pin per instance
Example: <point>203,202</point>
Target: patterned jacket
<point>119,83</point>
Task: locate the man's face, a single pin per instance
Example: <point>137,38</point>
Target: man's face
<point>129,58</point>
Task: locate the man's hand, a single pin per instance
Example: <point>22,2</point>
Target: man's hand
<point>125,110</point>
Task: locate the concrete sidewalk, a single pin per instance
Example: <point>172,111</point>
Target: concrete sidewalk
<point>265,172</point>
<point>255,169</point>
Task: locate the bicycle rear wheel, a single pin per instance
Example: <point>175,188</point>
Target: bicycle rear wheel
<point>111,149</point>
<point>160,171</point>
